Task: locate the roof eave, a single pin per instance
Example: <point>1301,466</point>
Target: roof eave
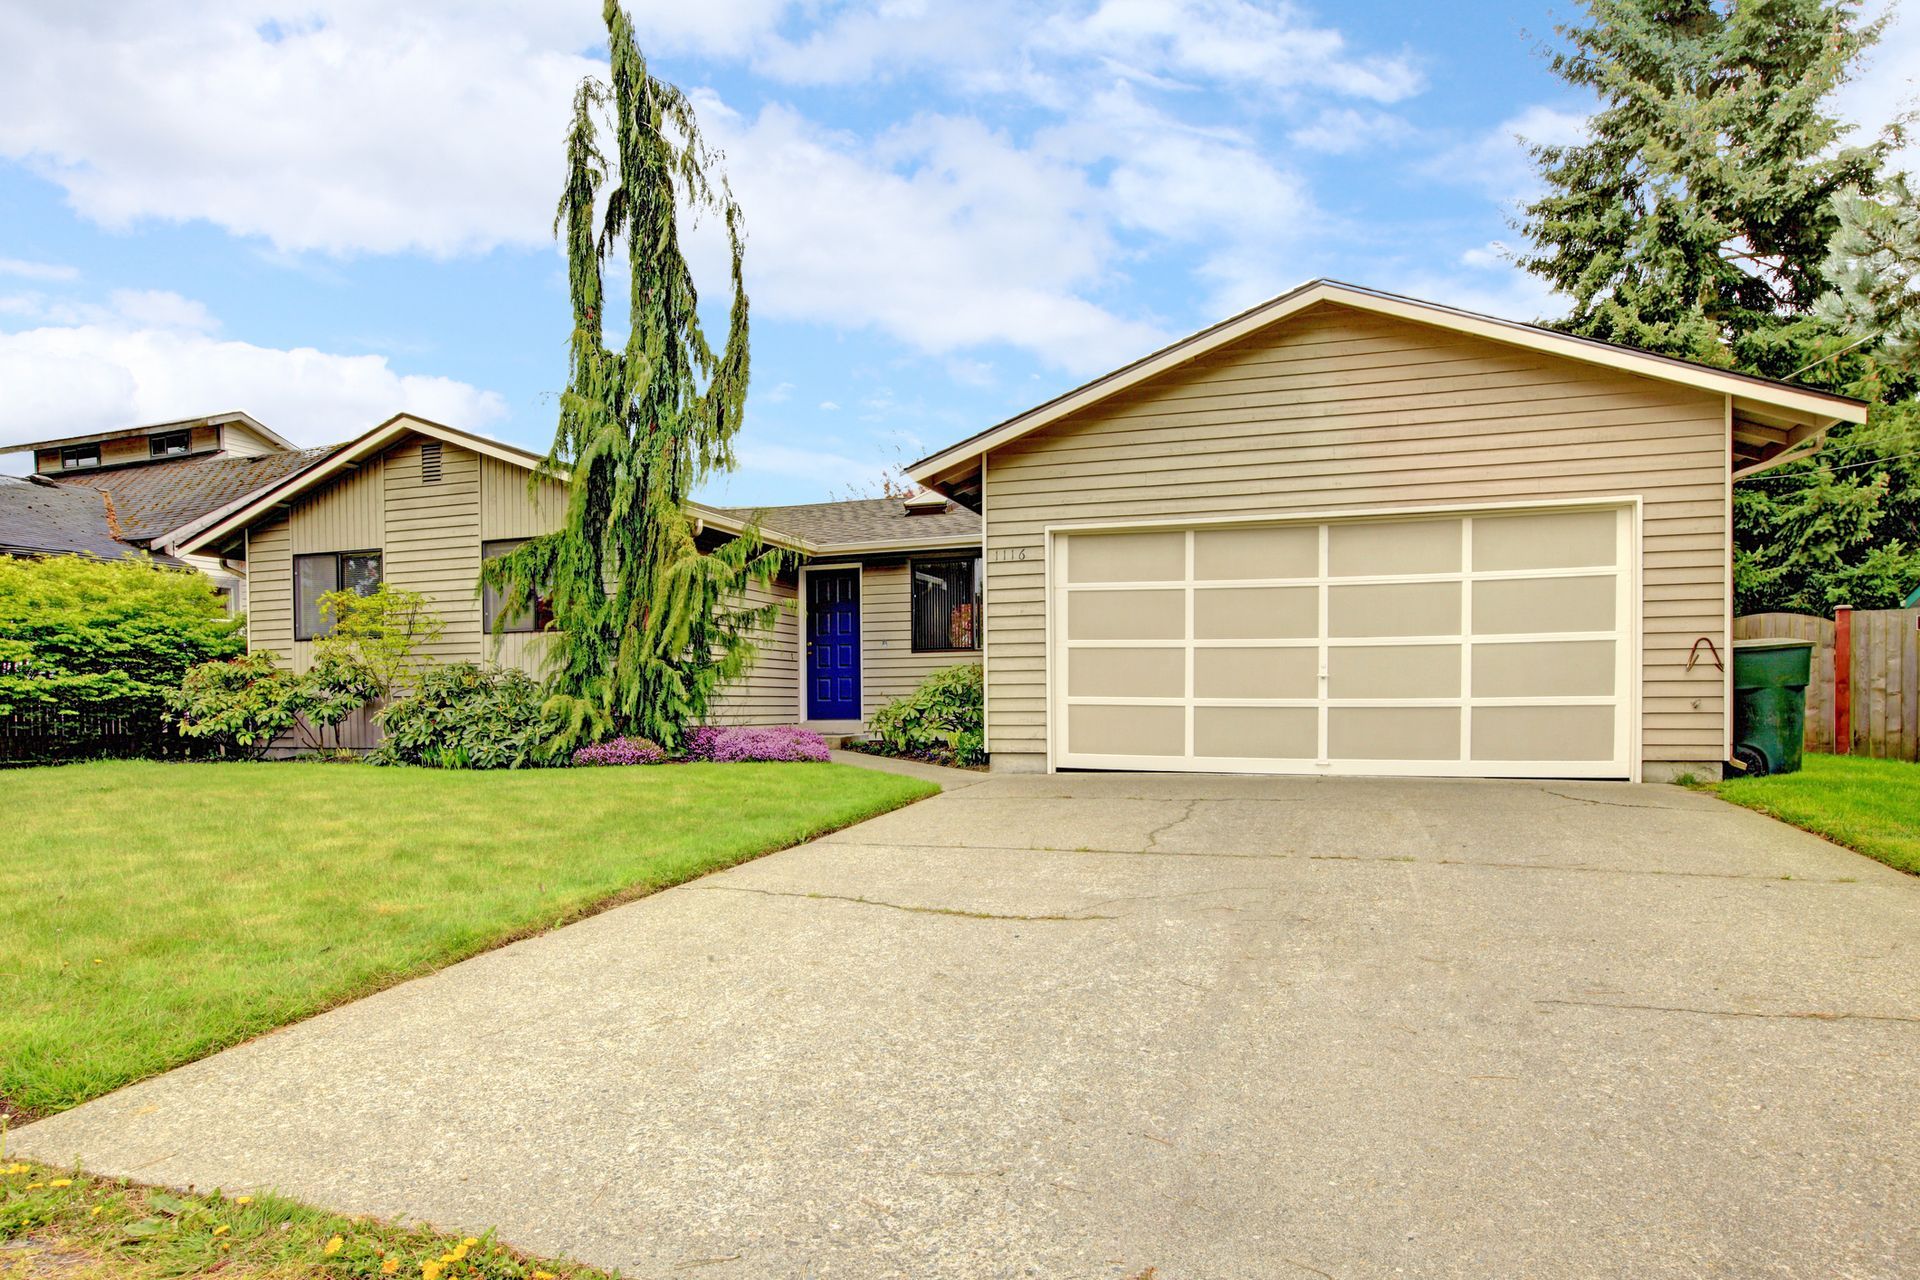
<point>939,470</point>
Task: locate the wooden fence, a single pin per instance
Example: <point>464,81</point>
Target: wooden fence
<point>1882,706</point>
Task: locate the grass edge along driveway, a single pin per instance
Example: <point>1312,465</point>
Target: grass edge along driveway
<point>67,1223</point>
<point>158,912</point>
<point>1870,806</point>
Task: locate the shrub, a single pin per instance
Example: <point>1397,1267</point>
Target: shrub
<point>620,751</point>
<point>464,716</point>
<point>87,641</point>
<point>760,742</point>
<point>943,720</point>
<point>376,635</point>
<point>245,702</point>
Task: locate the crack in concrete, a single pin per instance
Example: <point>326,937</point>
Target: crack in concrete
<point>896,906</point>
<point>1810,1015</point>
<point>1588,868</point>
<point>1616,804</point>
<point>1153,836</point>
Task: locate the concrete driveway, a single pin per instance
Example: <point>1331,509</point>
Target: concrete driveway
<point>1112,1026</point>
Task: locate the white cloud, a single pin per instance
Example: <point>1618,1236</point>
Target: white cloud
<point>1498,161</point>
<point>1344,130</point>
<point>150,357</point>
<point>943,234</point>
<point>340,126</point>
<point>24,270</point>
<point>1040,50</point>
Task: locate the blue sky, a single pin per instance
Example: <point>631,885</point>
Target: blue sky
<point>324,212</point>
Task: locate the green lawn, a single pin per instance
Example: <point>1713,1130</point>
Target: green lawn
<point>152,913</point>
<point>1869,805</point>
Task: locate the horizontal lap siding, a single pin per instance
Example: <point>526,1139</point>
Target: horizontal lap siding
<point>890,667</point>
<point>270,588</point>
<point>769,691</point>
<point>1341,410</point>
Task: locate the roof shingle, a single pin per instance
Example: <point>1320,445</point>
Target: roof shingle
<point>864,520</point>
<point>155,498</point>
<point>44,519</point>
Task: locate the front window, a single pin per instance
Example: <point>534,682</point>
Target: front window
<point>78,456</point>
<point>946,605</point>
<point>314,576</point>
<point>169,444</point>
<point>537,616</point>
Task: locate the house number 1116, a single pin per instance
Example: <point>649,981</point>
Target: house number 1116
<point>1003,554</point>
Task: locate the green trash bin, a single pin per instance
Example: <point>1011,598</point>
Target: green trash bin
<point>1770,704</point>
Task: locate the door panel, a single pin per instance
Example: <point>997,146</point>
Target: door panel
<point>833,644</point>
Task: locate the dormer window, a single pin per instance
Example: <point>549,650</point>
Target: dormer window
<point>170,444</point>
<point>79,456</point>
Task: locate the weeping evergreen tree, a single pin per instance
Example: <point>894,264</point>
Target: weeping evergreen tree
<point>649,625</point>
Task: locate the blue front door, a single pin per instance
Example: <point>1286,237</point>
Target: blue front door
<point>833,644</point>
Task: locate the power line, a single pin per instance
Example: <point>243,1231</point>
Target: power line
<point>1851,466</point>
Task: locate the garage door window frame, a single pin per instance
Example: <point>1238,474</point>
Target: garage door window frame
<point>1628,657</point>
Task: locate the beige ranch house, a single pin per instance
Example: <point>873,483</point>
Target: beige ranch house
<point>1351,533</point>
<point>887,590</point>
<point>1343,532</point>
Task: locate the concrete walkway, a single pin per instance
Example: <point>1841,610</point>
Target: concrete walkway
<point>1091,1026</point>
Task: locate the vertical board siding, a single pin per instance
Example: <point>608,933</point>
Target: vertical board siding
<point>890,667</point>
<point>433,541</point>
<point>1886,677</point>
<point>510,507</point>
<point>1336,409</point>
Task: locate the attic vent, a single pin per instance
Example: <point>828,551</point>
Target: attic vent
<point>430,462</point>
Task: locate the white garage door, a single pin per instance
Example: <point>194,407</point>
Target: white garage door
<point>1495,645</point>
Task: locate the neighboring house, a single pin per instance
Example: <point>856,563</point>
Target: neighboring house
<point>886,590</point>
<point>158,484</point>
<point>1351,533</point>
<point>40,518</point>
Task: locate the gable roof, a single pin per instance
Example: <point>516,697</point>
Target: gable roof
<point>1788,418</point>
<point>39,519</point>
<point>210,420</point>
<point>809,529</point>
<point>154,499</point>
<point>868,523</point>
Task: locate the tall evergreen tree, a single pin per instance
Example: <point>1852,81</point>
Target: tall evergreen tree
<point>1873,262</point>
<point>1698,209</point>
<point>648,624</point>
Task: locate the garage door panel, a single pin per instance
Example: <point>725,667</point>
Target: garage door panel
<point>1285,552</point>
<point>1393,733</point>
<point>1127,673</point>
<point>1256,673</point>
<point>1128,557</point>
<point>1349,646</point>
<point>1394,671</point>
<point>1544,669</point>
<point>1521,606</point>
<point>1127,615</point>
<point>1393,609</point>
<point>1254,733</point>
<point>1403,546</point>
<point>1546,540</point>
<point>1256,613</point>
<point>1543,733</point>
<point>1106,730</point>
